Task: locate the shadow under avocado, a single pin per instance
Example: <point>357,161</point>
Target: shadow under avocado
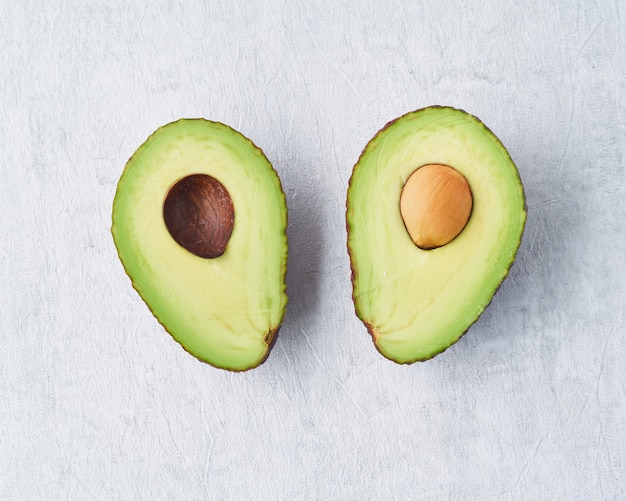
<point>304,234</point>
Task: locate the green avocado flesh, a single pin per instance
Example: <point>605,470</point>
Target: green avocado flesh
<point>416,303</point>
<point>226,310</point>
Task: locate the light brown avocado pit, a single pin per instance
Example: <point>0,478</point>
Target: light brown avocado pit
<point>435,204</point>
<point>199,214</point>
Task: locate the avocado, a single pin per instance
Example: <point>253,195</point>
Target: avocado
<point>199,222</point>
<point>435,215</point>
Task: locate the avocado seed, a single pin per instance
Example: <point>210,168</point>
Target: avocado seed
<point>435,204</point>
<point>199,214</point>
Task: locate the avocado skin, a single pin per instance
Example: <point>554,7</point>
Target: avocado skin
<point>272,334</point>
<point>353,271</point>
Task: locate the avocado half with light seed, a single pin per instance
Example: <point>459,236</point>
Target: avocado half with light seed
<point>435,215</point>
<point>199,222</point>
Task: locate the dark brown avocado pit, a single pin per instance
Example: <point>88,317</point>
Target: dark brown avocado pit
<point>199,214</point>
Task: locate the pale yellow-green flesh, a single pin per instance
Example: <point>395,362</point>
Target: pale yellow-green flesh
<point>221,309</point>
<point>418,302</point>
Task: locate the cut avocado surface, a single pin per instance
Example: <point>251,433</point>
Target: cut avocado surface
<point>199,222</point>
<point>415,301</point>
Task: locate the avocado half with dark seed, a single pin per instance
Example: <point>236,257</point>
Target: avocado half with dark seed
<point>199,222</point>
<point>435,216</point>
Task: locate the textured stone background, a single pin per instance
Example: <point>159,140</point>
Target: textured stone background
<point>98,402</point>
